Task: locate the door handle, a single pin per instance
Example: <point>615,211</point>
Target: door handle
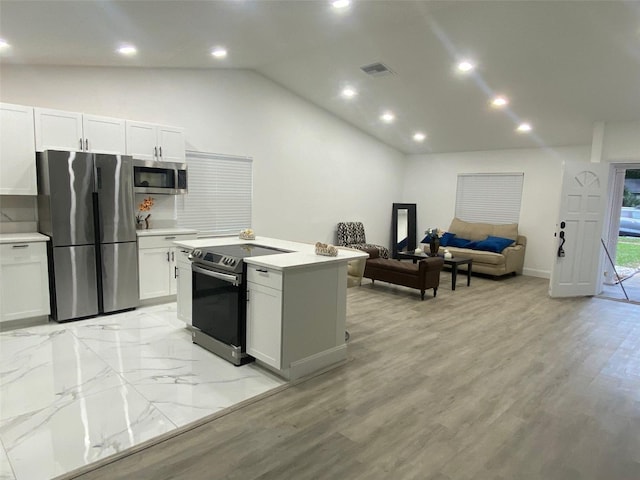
<point>561,252</point>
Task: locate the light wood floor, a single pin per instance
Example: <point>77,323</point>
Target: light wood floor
<point>492,381</point>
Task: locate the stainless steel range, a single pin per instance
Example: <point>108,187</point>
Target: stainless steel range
<point>219,298</point>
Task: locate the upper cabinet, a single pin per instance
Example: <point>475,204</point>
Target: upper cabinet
<point>148,141</point>
<point>60,130</point>
<point>17,158</point>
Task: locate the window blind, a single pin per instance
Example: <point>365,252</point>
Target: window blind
<point>489,197</point>
<point>220,193</point>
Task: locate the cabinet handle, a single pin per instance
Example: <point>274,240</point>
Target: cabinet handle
<point>20,246</point>
<point>160,152</point>
<point>168,256</point>
<point>262,270</point>
<point>169,238</point>
<point>155,152</point>
<point>173,256</point>
<point>86,144</point>
<point>80,144</point>
<point>175,272</point>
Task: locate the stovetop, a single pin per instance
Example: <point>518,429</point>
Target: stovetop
<point>229,257</point>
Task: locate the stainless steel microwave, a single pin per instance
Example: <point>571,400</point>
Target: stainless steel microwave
<point>159,177</point>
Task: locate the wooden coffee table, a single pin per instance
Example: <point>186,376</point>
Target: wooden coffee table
<point>453,262</point>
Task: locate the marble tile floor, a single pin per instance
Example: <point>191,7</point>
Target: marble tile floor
<point>75,393</point>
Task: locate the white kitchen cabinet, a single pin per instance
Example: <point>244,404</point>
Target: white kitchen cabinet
<point>60,130</point>
<point>184,285</point>
<point>157,264</point>
<point>17,150</point>
<point>148,141</point>
<point>24,281</point>
<point>264,323</point>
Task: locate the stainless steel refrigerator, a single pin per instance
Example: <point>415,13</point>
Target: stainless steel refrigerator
<point>86,206</point>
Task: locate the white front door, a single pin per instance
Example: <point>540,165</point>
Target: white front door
<point>579,229</point>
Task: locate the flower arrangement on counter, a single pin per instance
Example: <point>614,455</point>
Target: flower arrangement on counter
<point>247,234</point>
<point>142,215</point>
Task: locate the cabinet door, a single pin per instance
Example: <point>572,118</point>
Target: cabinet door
<point>171,144</point>
<point>184,286</point>
<point>58,130</point>
<point>24,281</point>
<point>264,324</point>
<point>173,272</point>
<point>142,140</point>
<point>153,268</point>
<point>104,134</point>
<point>17,150</point>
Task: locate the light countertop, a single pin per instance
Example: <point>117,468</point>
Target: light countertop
<point>299,255</point>
<point>22,237</point>
<point>165,231</point>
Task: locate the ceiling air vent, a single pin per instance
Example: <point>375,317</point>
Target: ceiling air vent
<point>376,69</point>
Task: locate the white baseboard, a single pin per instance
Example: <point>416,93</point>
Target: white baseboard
<point>533,272</point>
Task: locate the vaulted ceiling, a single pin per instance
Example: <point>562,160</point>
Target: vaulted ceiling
<point>562,64</point>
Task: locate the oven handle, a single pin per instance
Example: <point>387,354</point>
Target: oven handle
<point>220,276</point>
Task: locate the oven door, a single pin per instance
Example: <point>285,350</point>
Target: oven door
<point>219,305</point>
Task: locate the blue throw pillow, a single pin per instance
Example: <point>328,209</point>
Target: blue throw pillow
<point>494,244</point>
<point>458,242</point>
<point>445,240</point>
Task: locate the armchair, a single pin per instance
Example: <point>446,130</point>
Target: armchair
<point>351,234</point>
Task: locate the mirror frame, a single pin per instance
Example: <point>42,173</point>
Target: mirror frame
<point>411,227</point>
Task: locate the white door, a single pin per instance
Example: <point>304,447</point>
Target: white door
<point>171,144</point>
<point>104,134</point>
<point>142,140</point>
<point>58,130</point>
<point>153,268</point>
<point>578,247</point>
<point>17,151</point>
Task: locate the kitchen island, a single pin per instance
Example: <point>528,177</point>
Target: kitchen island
<point>296,305</point>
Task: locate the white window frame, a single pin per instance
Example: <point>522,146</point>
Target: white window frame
<point>489,197</point>
<point>220,194</point>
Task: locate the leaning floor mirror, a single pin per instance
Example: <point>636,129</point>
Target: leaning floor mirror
<point>403,228</point>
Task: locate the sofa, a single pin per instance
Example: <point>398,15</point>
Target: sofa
<point>422,276</point>
<point>495,249</point>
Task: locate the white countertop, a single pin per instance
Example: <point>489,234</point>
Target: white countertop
<point>22,237</point>
<point>165,231</point>
<point>299,255</point>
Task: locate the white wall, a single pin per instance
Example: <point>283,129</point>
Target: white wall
<point>311,170</point>
<point>430,181</point>
<point>621,142</point>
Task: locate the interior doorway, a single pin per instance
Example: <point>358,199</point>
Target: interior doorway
<point>621,269</point>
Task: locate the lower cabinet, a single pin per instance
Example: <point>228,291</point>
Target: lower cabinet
<point>264,323</point>
<point>184,285</point>
<point>24,281</point>
<point>157,265</point>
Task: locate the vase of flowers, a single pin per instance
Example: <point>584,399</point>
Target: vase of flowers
<point>432,236</point>
<point>142,217</point>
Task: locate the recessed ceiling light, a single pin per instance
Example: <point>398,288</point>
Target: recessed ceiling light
<point>219,52</point>
<point>127,50</point>
<point>466,66</point>
<point>349,92</point>
<point>524,127</point>
<point>419,137</point>
<point>3,44</point>
<point>499,101</point>
<point>387,117</point>
<point>338,4</point>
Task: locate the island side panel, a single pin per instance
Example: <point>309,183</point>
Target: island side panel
<point>314,312</point>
